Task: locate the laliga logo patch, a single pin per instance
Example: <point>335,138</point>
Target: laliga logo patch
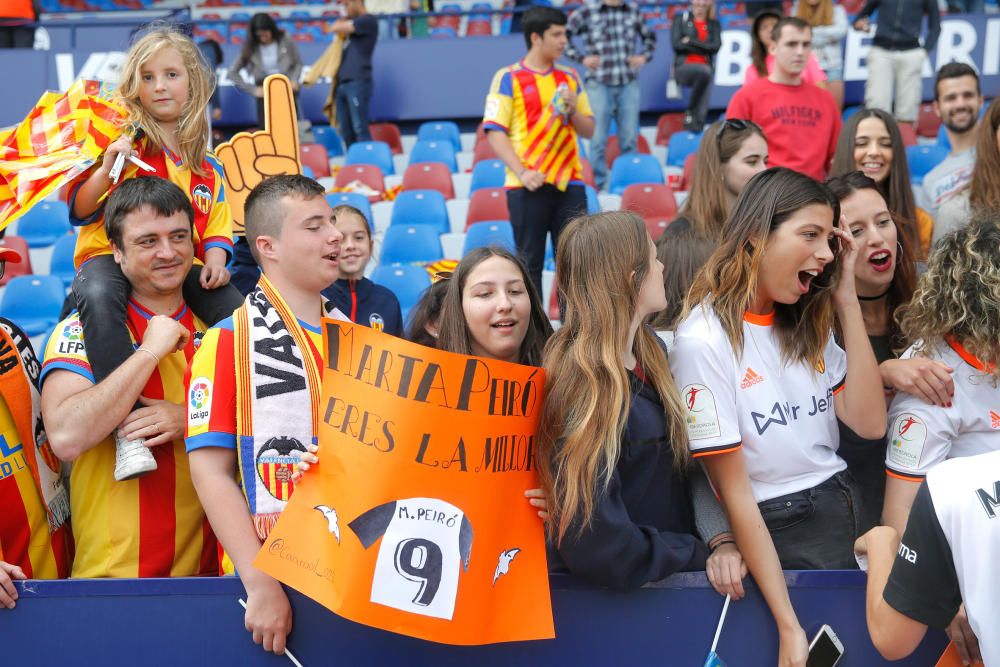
<point>376,322</point>
<point>276,463</point>
<point>199,398</point>
<point>202,198</point>
<point>73,331</point>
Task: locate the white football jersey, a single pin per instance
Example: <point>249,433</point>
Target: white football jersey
<point>425,542</point>
<point>949,550</point>
<point>781,412</point>
<point>922,435</point>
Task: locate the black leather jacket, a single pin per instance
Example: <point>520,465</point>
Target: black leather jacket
<point>684,27</point>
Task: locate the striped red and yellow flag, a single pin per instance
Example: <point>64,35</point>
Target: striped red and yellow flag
<point>63,135</point>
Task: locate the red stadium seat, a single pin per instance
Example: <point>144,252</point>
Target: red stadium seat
<point>368,174</point>
<point>487,204</point>
<point>667,125</point>
<point>928,122</point>
<point>478,28</point>
<point>483,151</point>
<point>315,157</point>
<point>613,148</point>
<point>908,133</point>
<point>389,133</point>
<point>429,176</point>
<point>22,268</point>
<point>654,202</point>
<point>688,177</point>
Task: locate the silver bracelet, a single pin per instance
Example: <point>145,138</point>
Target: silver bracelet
<point>149,352</point>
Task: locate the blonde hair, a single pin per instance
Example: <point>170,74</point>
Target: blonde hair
<point>959,295</point>
<point>821,14</point>
<point>728,281</point>
<point>192,126</point>
<point>601,262</point>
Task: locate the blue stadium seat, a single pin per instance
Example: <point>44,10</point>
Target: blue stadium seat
<point>942,138</point>
<point>922,159</point>
<point>407,244</point>
<point>408,283</point>
<point>850,111</point>
<point>490,233</point>
<point>633,168</point>
<point>681,145</point>
<point>62,264</point>
<point>593,204</point>
<point>487,174</point>
<point>375,153</point>
<point>421,207</point>
<point>44,223</point>
<point>308,171</point>
<point>434,151</point>
<point>440,130</point>
<point>33,302</point>
<point>328,137</point>
<point>355,199</point>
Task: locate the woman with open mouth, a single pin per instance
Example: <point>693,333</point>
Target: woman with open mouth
<point>871,143</point>
<point>765,383</point>
<point>884,277</point>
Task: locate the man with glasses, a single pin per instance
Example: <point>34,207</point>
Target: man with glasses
<point>801,121</point>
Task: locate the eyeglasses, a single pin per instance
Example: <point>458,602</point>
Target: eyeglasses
<point>738,124</point>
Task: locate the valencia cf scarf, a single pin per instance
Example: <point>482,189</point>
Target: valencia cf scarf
<point>277,399</point>
<point>19,372</point>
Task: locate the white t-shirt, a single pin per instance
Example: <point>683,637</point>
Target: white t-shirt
<point>922,436</point>
<point>949,550</point>
<point>781,412</point>
<point>426,542</point>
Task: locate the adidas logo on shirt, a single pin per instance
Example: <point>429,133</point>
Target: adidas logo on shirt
<point>750,378</point>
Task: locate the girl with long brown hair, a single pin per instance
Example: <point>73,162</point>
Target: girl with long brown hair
<point>731,152</point>
<point>764,383</point>
<point>612,452</point>
<point>870,142</point>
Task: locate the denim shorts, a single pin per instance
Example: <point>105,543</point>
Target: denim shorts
<point>815,529</point>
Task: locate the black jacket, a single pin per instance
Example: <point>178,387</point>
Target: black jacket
<point>366,303</point>
<point>683,26</point>
<point>899,23</point>
<point>643,526</point>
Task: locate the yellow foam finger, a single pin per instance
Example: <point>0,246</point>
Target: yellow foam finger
<point>275,165</point>
<point>230,167</point>
<point>246,153</point>
<point>280,120</point>
<point>263,145</point>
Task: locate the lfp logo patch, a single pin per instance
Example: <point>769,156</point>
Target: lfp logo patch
<point>202,198</point>
<point>73,331</point>
<point>199,398</point>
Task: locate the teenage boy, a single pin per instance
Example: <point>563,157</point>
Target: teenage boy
<point>536,111</point>
<point>801,121</point>
<point>254,387</point>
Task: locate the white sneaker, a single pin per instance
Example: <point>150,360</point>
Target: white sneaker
<point>132,458</point>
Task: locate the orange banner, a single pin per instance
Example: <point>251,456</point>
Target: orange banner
<point>415,519</point>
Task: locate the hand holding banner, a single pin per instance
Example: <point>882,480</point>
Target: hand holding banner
<point>415,520</point>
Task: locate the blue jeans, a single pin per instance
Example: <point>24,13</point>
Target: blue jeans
<point>622,104</point>
<point>352,100</point>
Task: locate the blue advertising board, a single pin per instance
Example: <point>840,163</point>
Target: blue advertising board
<point>200,622</point>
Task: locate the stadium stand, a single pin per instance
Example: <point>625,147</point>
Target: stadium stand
<point>42,226</point>
<point>922,159</point>
<point>633,168</point>
<point>408,244</point>
<point>406,282</point>
<point>356,200</point>
<point>490,233</point>
<point>430,176</point>
<point>375,153</point>
<point>33,302</point>
<point>421,207</point>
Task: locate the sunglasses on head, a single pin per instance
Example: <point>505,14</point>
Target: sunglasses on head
<point>738,124</point>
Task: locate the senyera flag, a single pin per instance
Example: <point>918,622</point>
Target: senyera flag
<point>415,519</point>
<point>62,136</point>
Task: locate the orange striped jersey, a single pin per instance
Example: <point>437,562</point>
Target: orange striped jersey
<point>153,526</point>
<point>212,412</point>
<point>213,220</point>
<point>528,106</point>
<point>25,539</point>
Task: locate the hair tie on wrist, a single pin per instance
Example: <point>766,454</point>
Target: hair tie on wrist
<point>149,352</point>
